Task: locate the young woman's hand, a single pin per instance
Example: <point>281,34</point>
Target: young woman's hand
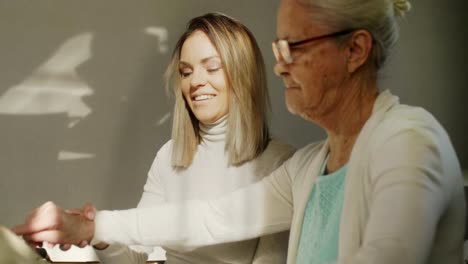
<point>52,224</point>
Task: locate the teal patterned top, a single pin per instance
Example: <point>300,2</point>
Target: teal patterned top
<point>321,225</point>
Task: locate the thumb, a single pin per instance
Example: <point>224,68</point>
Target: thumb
<point>74,211</point>
<point>89,211</point>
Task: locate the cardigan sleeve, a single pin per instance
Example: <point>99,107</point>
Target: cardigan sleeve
<point>410,189</point>
<point>153,194</point>
<point>272,249</point>
<point>258,209</point>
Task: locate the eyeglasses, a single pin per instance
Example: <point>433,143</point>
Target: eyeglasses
<point>282,48</point>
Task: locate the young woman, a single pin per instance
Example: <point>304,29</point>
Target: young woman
<point>220,139</point>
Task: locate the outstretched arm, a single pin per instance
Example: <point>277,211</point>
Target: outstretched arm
<point>259,209</point>
<point>250,212</point>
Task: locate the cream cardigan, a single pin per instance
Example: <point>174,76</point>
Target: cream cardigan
<point>403,199</point>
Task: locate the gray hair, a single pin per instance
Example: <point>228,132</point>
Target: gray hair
<point>379,17</point>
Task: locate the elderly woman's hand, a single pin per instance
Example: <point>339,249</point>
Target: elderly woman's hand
<point>52,224</point>
<point>88,211</point>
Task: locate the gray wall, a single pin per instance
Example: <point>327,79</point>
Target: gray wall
<point>83,109</point>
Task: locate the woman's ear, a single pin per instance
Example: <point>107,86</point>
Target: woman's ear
<point>359,47</point>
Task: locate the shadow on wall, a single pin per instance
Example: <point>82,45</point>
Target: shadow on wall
<point>82,103</point>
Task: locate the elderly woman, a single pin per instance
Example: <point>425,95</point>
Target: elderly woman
<point>220,139</point>
<point>384,187</point>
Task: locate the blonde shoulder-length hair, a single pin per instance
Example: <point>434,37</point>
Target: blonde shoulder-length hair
<point>249,103</point>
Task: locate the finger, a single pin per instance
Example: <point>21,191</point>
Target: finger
<point>21,229</point>
<point>41,207</point>
<point>51,236</point>
<point>38,224</point>
<point>89,211</point>
<point>48,245</point>
<point>48,216</point>
<point>65,247</point>
<point>27,228</point>
<point>75,211</point>
<point>82,244</point>
<point>47,207</point>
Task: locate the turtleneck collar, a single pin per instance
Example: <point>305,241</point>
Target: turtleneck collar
<point>214,132</point>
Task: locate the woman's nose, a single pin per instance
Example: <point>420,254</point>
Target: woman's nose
<point>198,78</point>
<point>280,68</point>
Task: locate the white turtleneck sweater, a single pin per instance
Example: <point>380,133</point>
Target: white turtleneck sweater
<point>208,177</point>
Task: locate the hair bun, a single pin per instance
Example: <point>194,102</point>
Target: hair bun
<point>401,7</point>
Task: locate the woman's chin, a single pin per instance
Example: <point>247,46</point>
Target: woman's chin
<point>293,105</point>
<point>207,119</point>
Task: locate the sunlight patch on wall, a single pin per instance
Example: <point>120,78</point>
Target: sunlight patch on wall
<point>55,86</point>
<point>162,34</point>
<point>68,155</point>
<point>164,119</point>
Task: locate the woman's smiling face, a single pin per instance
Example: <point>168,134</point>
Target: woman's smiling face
<point>203,80</point>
